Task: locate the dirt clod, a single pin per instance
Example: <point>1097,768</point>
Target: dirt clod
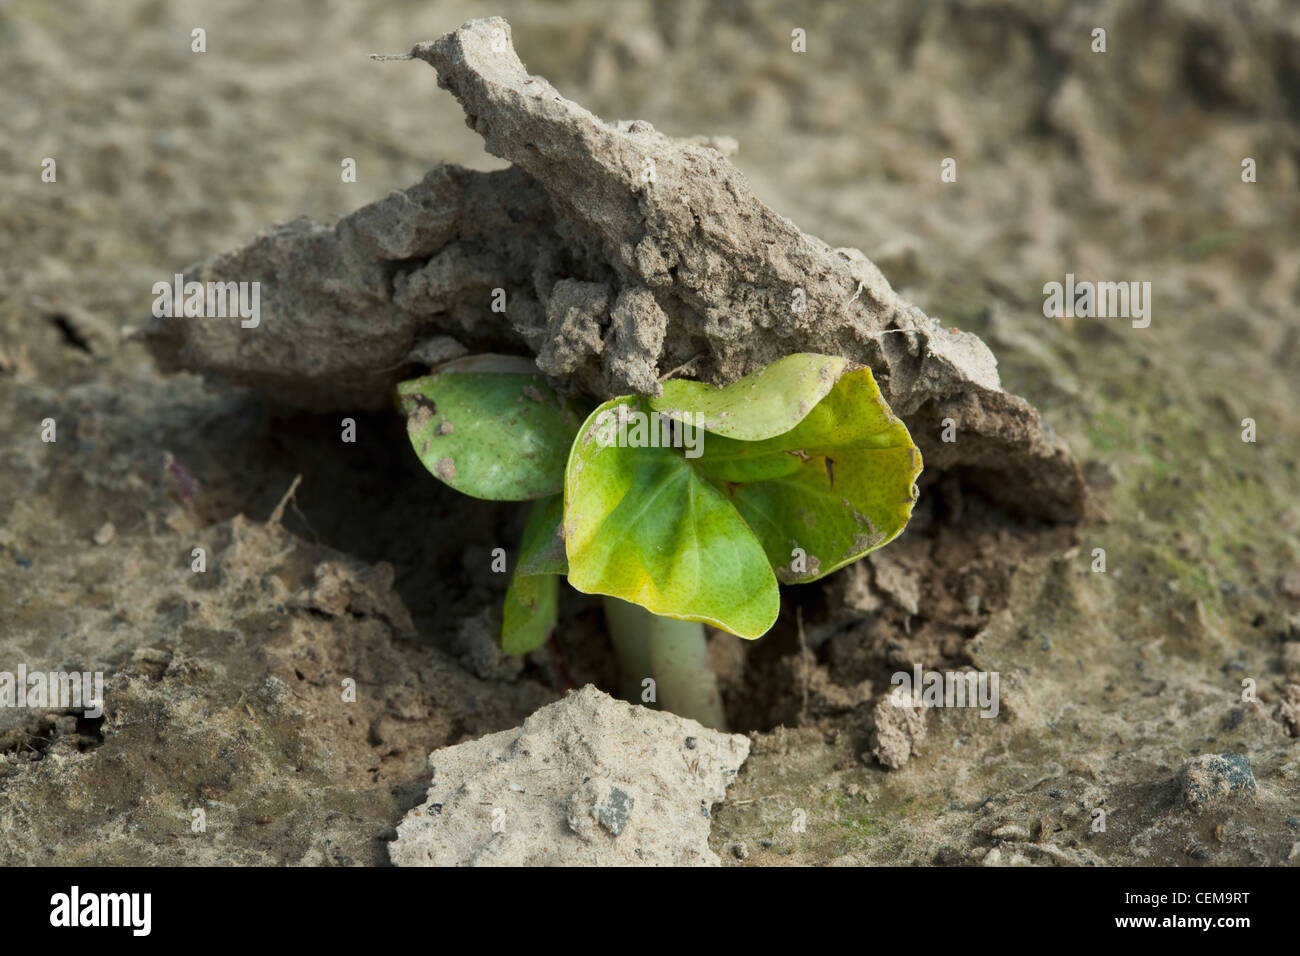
<point>1206,780</point>
<point>347,302</point>
<point>587,780</point>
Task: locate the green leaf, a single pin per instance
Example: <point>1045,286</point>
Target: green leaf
<point>641,524</point>
<point>758,406</point>
<point>529,613</point>
<point>542,550</point>
<point>839,484</point>
<point>698,538</point>
<point>490,427</point>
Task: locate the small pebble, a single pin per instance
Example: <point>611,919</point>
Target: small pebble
<point>690,743</point>
<point>105,533</point>
<point>740,851</point>
<point>1010,832</point>
<point>1210,778</point>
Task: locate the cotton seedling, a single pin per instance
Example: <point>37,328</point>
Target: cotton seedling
<point>682,510</point>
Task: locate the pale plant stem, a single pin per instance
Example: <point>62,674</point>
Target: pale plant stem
<point>672,652</point>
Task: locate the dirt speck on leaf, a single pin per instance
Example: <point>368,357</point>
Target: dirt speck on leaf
<point>419,420</point>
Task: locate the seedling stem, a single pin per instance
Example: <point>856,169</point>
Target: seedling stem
<point>674,653</point>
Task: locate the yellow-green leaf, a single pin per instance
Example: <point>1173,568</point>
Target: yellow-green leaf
<point>758,406</point>
<point>839,484</point>
<point>641,524</point>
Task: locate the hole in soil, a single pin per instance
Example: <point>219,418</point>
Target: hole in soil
<point>37,733</point>
<point>917,601</point>
<point>90,732</point>
<point>70,334</point>
<point>373,499</point>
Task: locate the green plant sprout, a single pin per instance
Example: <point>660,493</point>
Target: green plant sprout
<point>681,510</point>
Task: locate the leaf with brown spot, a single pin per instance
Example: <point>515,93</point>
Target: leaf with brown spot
<point>480,425</point>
